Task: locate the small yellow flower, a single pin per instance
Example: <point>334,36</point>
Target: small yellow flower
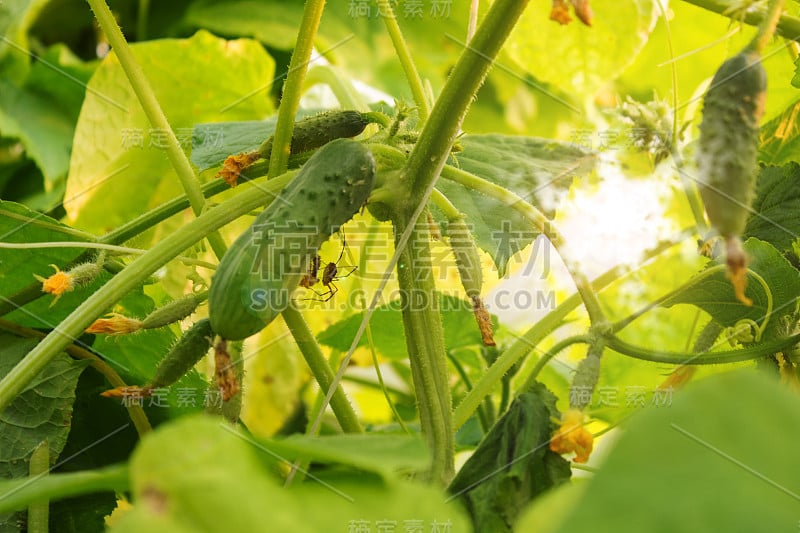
<point>57,284</point>
<point>115,324</point>
<point>678,377</point>
<point>573,437</point>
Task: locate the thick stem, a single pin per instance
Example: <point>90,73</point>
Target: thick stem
<point>147,99</point>
<point>321,370</point>
<point>292,88</point>
<point>767,27</point>
<point>425,340</point>
<point>440,131</point>
<point>131,277</point>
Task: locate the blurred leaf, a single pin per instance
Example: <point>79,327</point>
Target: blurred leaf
<point>381,454</point>
<point>578,59</point>
<point>222,485</point>
<point>386,322</point>
<point>513,464</point>
<point>42,411</point>
<point>732,435</point>
<point>714,294</point>
<point>538,170</point>
<point>352,35</point>
<point>118,159</point>
<point>774,218</point>
<point>16,16</point>
<point>780,137</point>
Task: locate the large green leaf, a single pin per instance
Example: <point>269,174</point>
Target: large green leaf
<point>732,436</point>
<point>118,159</point>
<point>351,35</point>
<point>41,412</point>
<point>513,464</point>
<point>576,58</point>
<point>222,484</point>
<point>538,170</point>
<point>714,293</point>
<point>774,218</point>
<point>460,329</point>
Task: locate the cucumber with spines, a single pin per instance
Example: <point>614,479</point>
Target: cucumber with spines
<point>257,275</point>
<point>728,148</point>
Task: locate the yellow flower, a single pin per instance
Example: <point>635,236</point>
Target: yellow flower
<point>573,437</point>
<point>115,324</point>
<point>678,377</point>
<point>57,284</point>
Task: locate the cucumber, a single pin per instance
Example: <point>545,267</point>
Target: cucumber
<point>190,348</point>
<point>318,130</point>
<point>728,147</point>
<point>257,275</point>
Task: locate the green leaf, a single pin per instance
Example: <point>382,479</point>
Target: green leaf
<point>18,224</point>
<point>381,454</point>
<point>43,112</point>
<point>714,294</point>
<point>538,170</point>
<point>16,17</point>
<point>513,464</point>
<point>780,137</point>
<point>732,435</point>
<point>222,484</point>
<point>578,59</point>
<point>42,411</point>
<point>460,329</point>
<point>118,159</point>
<point>777,201</point>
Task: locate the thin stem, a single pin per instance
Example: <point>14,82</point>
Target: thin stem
<point>18,493</point>
<point>131,277</point>
<point>141,20</point>
<point>550,354</point>
<point>757,351</point>
<point>379,375</point>
<point>787,26</point>
<point>39,510</point>
<point>674,70</point>
<point>404,56</point>
<point>321,370</point>
<point>147,99</point>
<point>135,412</point>
<point>293,86</point>
<point>96,246</point>
<point>445,205</point>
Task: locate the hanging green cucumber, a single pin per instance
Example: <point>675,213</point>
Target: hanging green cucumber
<point>727,152</point>
<point>257,275</point>
<point>728,148</point>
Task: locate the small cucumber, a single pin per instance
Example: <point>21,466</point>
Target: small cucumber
<point>318,130</point>
<point>728,147</point>
<point>190,348</point>
<point>257,275</point>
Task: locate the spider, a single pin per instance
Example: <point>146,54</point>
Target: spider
<point>330,274</point>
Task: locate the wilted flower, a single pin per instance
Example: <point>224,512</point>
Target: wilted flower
<point>573,437</point>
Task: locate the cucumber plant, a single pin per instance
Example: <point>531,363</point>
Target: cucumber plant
<point>396,173</point>
<point>256,277</point>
